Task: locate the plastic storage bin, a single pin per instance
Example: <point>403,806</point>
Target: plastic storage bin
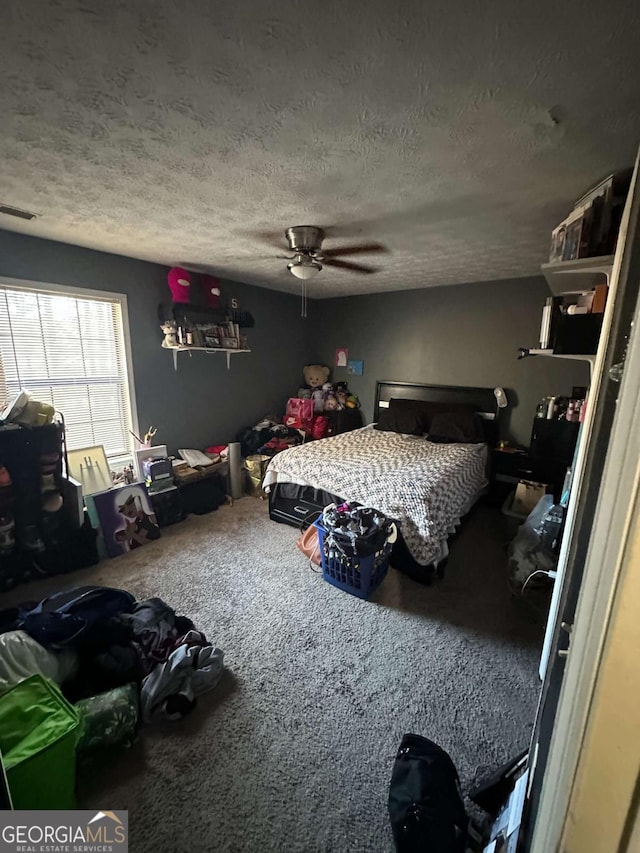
<point>38,732</point>
<point>358,575</point>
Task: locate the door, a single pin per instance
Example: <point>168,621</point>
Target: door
<point>604,492</point>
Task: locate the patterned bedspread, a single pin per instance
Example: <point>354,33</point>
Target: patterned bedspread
<point>426,487</point>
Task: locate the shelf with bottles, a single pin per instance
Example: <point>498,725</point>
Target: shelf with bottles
<point>201,328</point>
<point>561,409</point>
<point>572,318</point>
<point>186,313</point>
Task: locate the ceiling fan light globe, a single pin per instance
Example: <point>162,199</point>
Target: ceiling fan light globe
<point>304,270</point>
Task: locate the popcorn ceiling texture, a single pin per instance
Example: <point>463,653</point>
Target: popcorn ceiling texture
<point>456,133</point>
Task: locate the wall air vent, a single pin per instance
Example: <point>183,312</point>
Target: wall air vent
<point>15,211</point>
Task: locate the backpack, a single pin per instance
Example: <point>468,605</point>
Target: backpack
<point>65,618</point>
<point>425,802</point>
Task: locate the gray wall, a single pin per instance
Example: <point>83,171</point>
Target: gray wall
<point>457,335</point>
<point>202,403</point>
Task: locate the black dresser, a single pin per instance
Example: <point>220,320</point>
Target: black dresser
<point>553,444</point>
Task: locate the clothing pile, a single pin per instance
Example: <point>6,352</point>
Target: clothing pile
<point>268,437</point>
<point>354,529</point>
<point>94,639</point>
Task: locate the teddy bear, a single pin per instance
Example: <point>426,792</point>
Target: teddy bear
<point>315,376</point>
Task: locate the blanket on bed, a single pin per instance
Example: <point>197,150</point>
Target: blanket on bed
<point>426,487</point>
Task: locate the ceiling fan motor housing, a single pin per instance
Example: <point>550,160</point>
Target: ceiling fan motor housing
<point>304,238</point>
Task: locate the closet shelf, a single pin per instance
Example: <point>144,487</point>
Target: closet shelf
<point>579,275</point>
<point>525,352</point>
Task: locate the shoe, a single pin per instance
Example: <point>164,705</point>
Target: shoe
<point>30,539</point>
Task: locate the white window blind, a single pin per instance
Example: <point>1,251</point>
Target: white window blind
<point>68,351</point>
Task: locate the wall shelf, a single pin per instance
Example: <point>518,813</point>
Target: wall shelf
<point>549,353</point>
<point>229,352</point>
<point>579,275</point>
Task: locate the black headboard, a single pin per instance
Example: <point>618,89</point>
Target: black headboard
<point>482,399</point>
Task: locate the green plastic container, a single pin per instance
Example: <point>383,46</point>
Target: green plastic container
<point>38,733</point>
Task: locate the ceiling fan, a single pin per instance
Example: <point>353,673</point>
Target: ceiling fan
<point>308,257</point>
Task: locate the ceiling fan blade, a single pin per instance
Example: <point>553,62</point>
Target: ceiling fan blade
<point>345,265</point>
<point>362,249</point>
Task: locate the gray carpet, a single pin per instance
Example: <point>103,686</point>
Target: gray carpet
<point>293,751</point>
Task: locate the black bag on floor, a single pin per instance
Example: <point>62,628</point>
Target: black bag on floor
<point>425,803</point>
<point>202,496</point>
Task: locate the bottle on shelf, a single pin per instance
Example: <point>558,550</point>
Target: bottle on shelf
<point>541,408</point>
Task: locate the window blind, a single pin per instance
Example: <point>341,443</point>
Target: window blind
<point>68,351</point>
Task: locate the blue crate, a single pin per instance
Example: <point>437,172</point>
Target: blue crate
<point>359,576</point>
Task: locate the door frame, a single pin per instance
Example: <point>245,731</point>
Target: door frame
<point>605,559</point>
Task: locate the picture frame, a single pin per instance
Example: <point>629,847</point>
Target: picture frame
<point>140,453</point>
<point>89,467</point>
<point>126,518</point>
<point>341,356</point>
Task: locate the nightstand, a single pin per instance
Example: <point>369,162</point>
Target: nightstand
<point>508,468</point>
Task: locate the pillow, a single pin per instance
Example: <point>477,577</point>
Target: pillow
<point>463,426</point>
<point>401,420</point>
<point>416,413</point>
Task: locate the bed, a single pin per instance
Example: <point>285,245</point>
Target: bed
<point>427,487</point>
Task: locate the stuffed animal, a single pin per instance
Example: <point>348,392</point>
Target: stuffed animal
<point>341,390</point>
<point>331,403</point>
<point>345,398</point>
<point>315,375</point>
<point>169,328</point>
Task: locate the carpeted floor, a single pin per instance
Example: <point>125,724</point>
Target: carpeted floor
<point>293,751</point>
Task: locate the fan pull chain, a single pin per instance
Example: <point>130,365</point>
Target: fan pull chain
<point>303,312</point>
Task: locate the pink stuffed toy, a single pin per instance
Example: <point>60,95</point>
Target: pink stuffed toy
<point>211,290</point>
<point>180,284</point>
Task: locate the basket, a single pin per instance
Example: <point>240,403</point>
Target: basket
<point>38,733</point>
<point>349,571</point>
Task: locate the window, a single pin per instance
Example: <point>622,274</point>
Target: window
<point>68,349</point>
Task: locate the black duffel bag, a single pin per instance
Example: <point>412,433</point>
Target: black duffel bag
<point>425,802</point>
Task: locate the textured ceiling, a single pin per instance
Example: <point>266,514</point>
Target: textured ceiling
<point>457,133</point>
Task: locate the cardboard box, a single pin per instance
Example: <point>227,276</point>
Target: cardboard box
<point>599,299</point>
